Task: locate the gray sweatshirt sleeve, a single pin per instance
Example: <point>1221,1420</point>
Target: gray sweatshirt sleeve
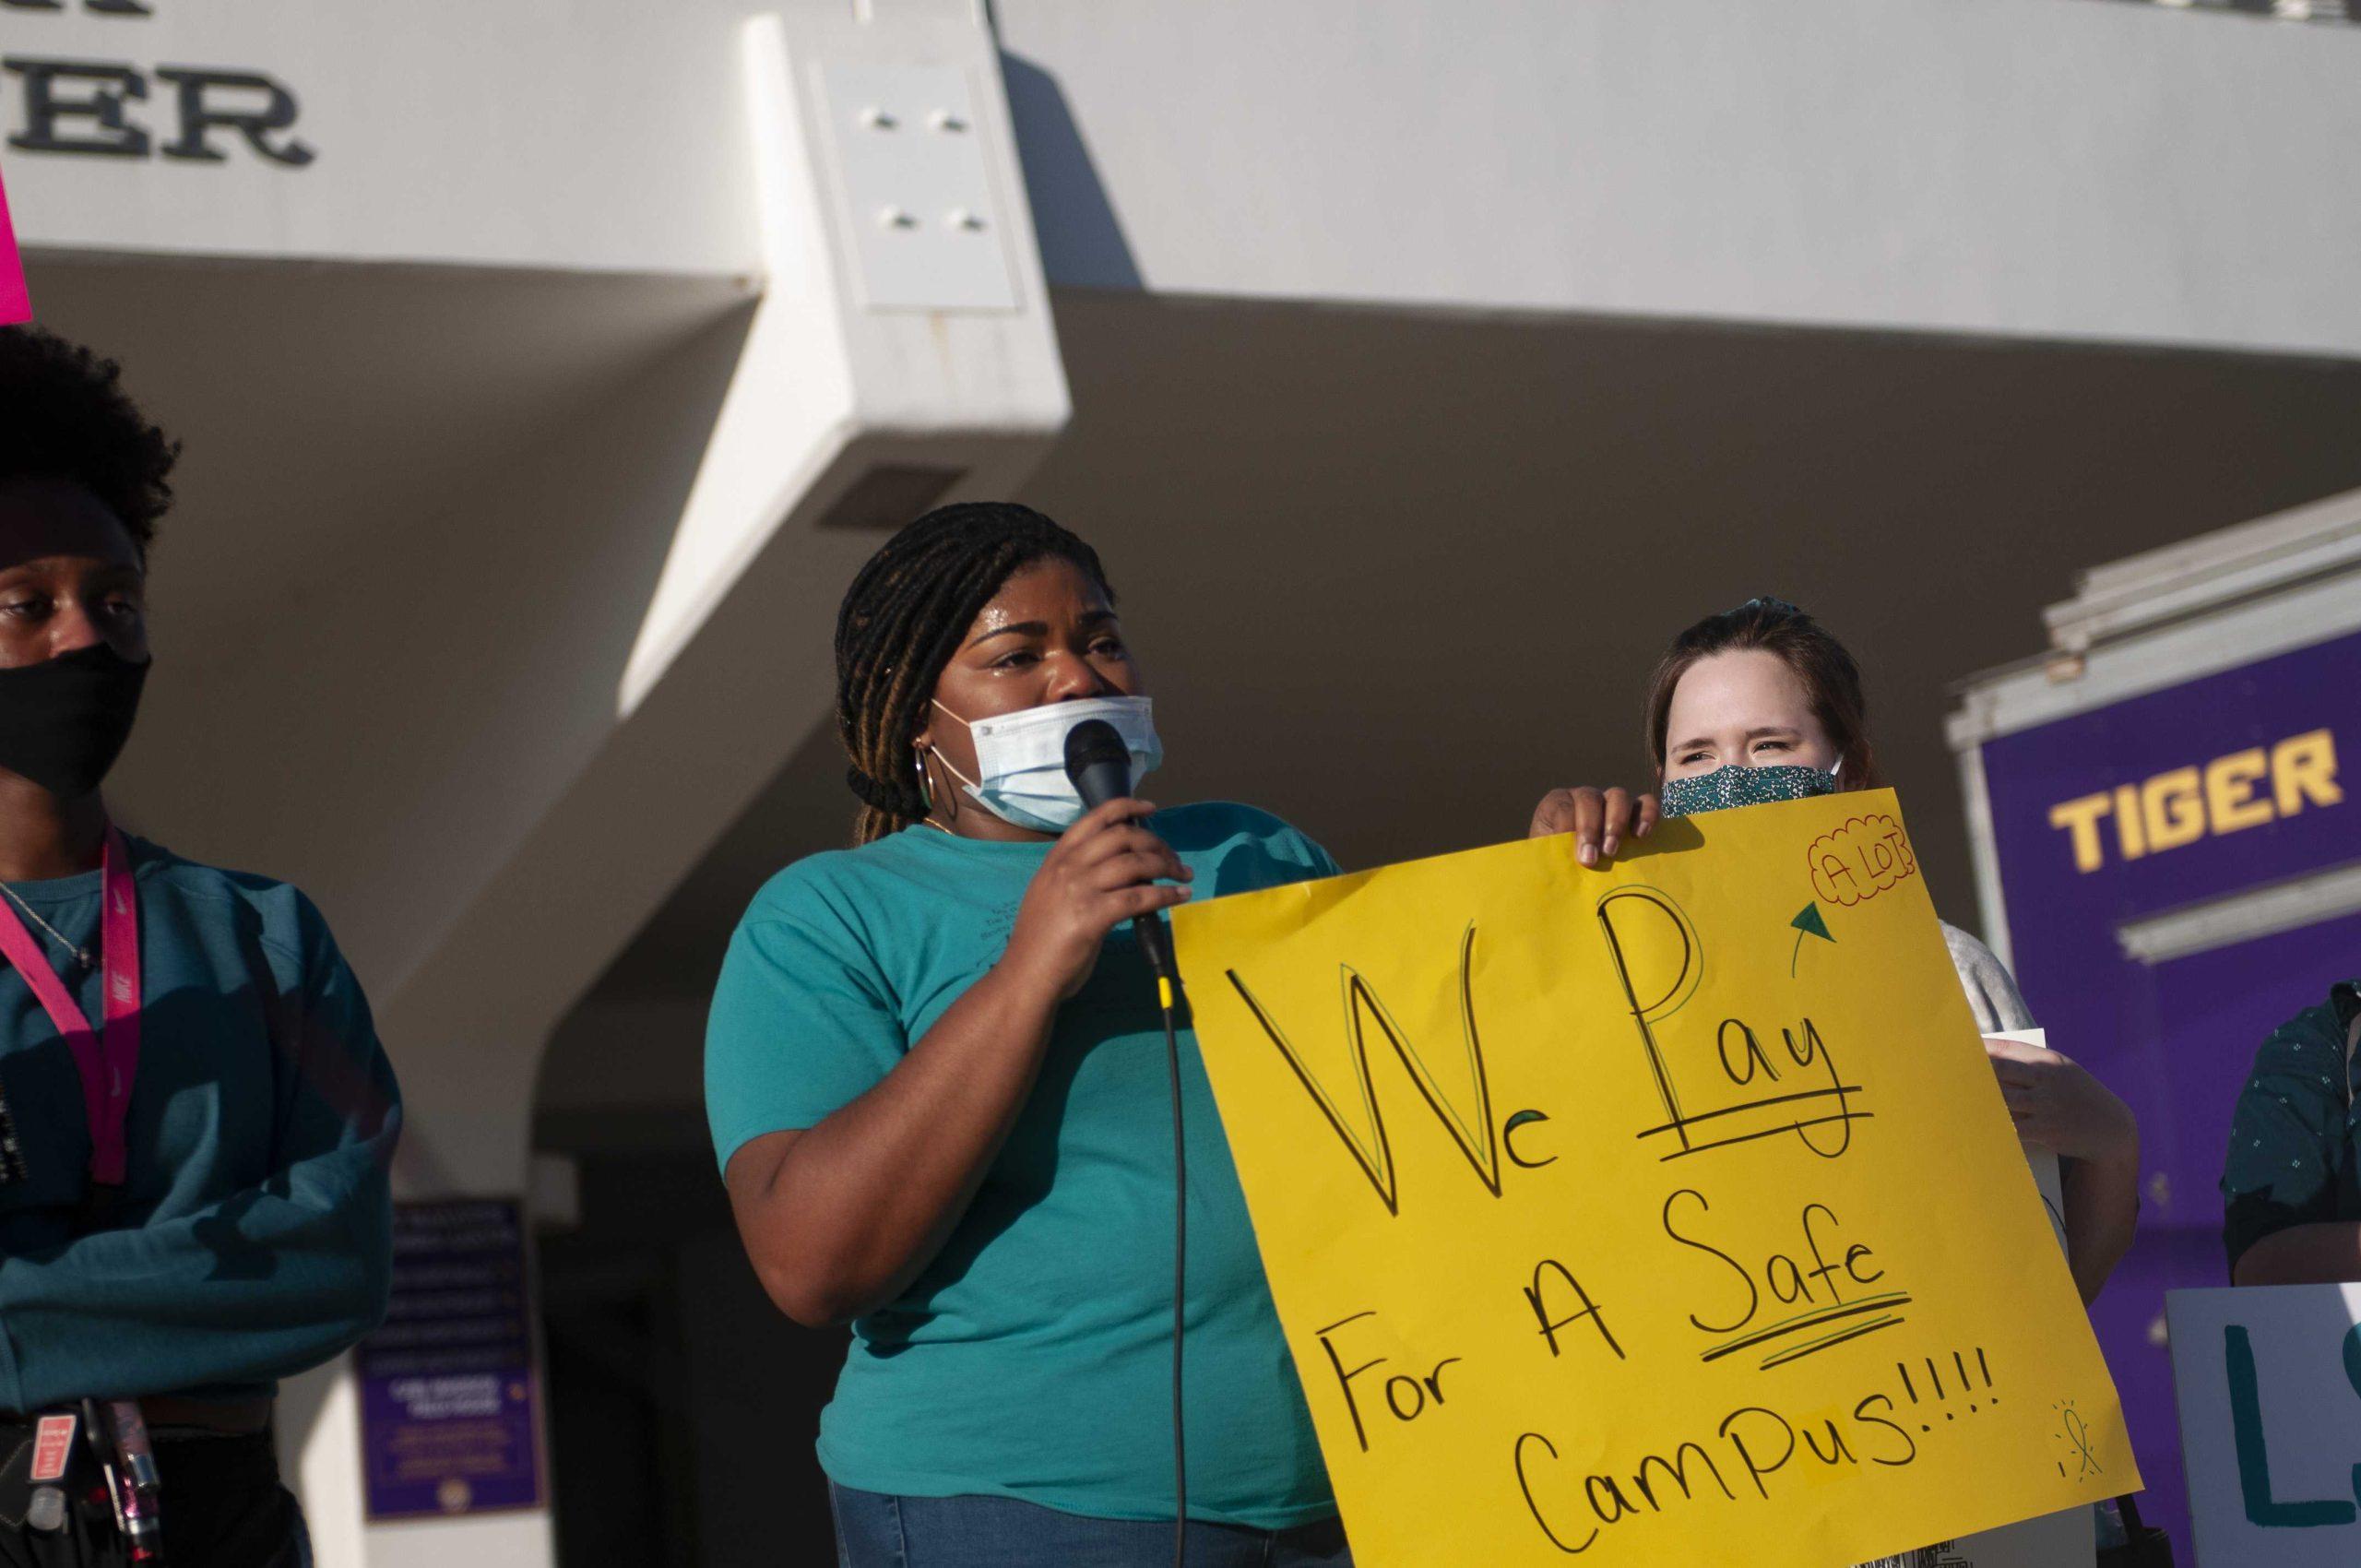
<point>1991,990</point>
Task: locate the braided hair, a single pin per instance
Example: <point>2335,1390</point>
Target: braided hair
<point>901,622</point>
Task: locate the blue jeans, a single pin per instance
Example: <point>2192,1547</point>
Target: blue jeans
<point>875,1530</point>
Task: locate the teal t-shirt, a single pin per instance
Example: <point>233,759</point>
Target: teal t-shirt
<point>1031,1359</point>
<point>254,1236</point>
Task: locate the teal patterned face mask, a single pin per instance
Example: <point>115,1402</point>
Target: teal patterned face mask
<point>1741,786</point>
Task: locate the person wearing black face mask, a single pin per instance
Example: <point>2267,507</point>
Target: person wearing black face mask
<point>182,1225</point>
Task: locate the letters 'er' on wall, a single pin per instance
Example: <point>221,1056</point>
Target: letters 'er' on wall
<point>1664,1213</point>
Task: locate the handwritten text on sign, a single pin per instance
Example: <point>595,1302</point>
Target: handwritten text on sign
<point>2269,1382</point>
<point>1664,1213</point>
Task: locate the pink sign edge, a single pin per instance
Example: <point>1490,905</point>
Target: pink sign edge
<point>16,300</point>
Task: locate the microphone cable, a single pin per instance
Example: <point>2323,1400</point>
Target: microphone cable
<point>1166,999</point>
<point>1098,763</point>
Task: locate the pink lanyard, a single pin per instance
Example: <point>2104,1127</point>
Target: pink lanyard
<point>110,1061</point>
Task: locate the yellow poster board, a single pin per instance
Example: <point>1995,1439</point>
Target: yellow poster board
<point>1668,1213</point>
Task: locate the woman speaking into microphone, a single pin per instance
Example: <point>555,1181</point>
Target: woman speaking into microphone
<point>936,1075</point>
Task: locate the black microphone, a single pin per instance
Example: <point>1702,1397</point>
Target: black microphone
<point>1100,767</point>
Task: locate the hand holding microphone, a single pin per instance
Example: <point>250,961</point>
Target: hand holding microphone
<point>1104,870</point>
<point>1100,767</point>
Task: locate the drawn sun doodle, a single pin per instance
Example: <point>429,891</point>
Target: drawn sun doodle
<point>2075,1433</point>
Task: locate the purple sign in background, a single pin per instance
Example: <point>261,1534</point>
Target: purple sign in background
<point>2176,1037</point>
<point>446,1385</point>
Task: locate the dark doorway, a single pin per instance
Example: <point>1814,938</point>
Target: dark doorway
<point>682,1406</point>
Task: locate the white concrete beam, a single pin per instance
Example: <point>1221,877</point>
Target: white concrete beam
<point>2029,168</point>
<point>2026,168</point>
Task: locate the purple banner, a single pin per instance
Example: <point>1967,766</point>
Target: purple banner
<point>2109,822</point>
<point>447,1395</point>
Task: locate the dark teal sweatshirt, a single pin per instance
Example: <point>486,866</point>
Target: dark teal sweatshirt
<point>252,1241</point>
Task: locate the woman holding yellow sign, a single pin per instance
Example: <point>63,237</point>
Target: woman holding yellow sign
<point>1761,703</point>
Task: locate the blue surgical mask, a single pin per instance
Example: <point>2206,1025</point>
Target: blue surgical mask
<point>1021,758</point>
<point>1741,786</point>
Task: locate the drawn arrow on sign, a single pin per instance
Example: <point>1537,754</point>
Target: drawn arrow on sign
<point>1809,923</point>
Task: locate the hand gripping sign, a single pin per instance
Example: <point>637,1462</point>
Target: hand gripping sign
<point>1608,1215</point>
